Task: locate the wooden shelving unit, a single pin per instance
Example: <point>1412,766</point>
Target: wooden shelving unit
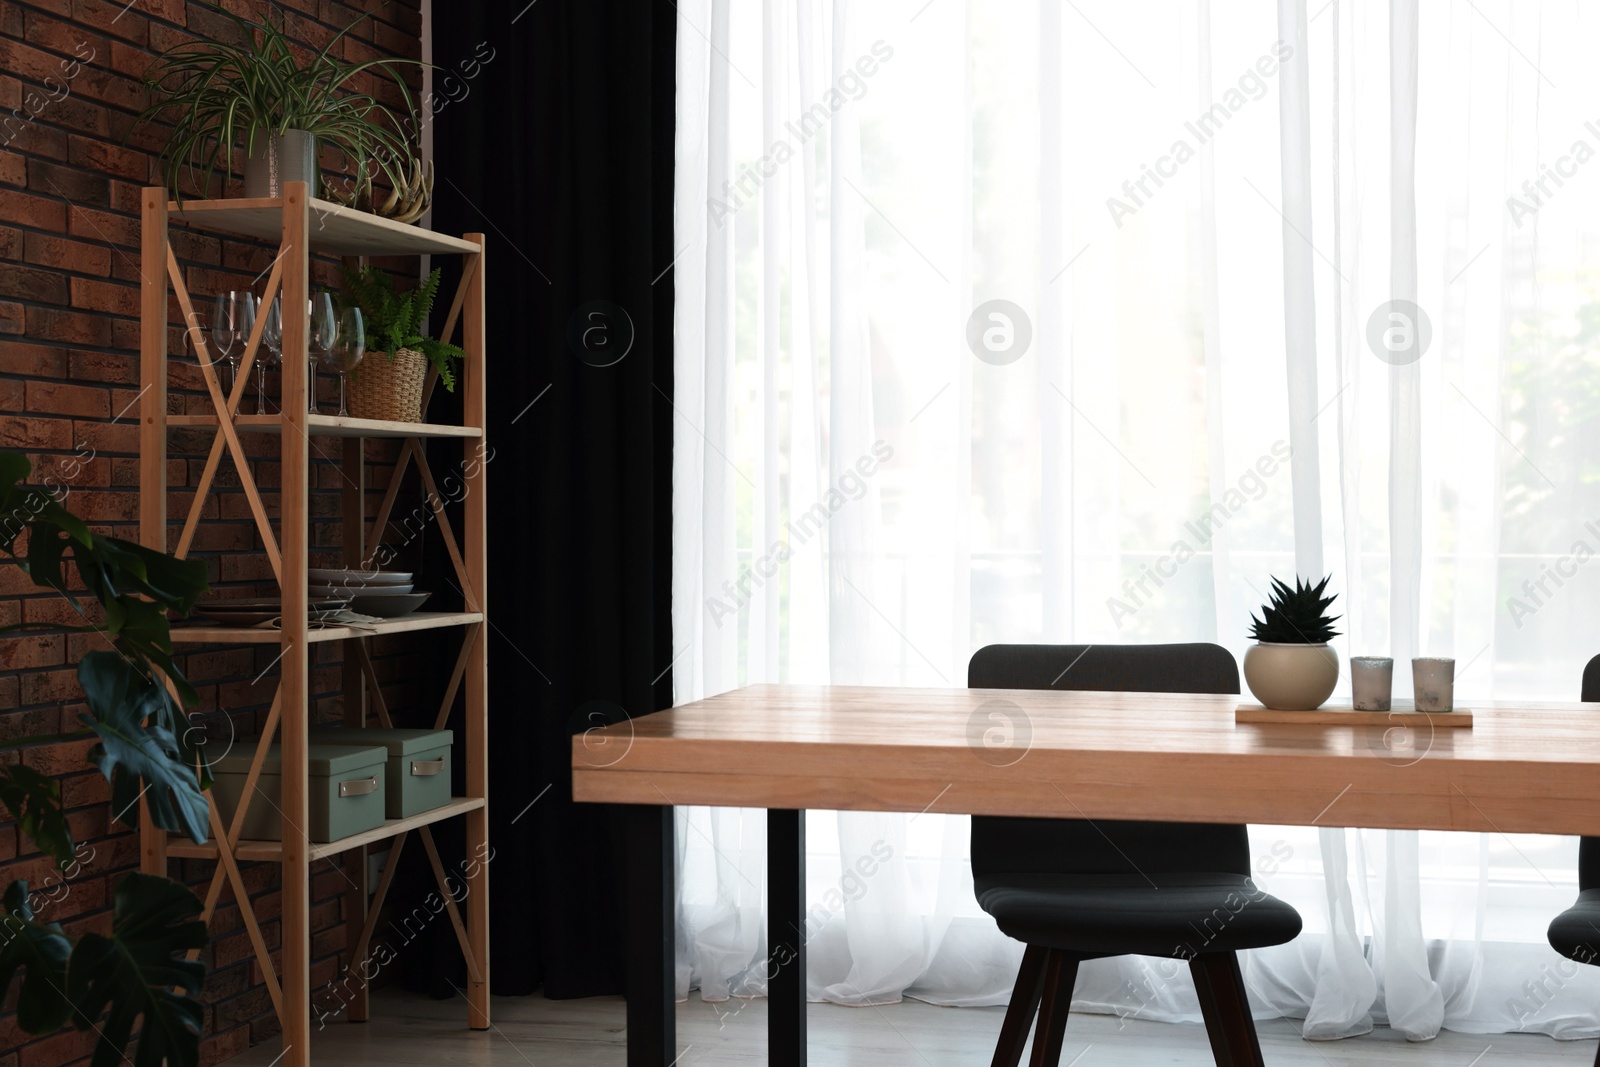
<point>302,226</point>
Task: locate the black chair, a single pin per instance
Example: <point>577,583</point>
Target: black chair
<point>1575,933</point>
<point>1075,890</point>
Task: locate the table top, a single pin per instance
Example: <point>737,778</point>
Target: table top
<point>1522,767</point>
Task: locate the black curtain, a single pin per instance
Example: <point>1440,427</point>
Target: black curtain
<point>553,126</point>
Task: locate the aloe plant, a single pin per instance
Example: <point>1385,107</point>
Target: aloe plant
<point>1297,616</point>
<point>139,972</point>
<point>218,95</point>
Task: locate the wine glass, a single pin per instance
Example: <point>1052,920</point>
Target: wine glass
<point>230,328</point>
<point>348,348</point>
<point>272,342</point>
<point>324,334</point>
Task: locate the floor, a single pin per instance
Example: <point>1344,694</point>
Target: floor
<point>409,1030</point>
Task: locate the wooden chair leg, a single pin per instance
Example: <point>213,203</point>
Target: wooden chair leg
<point>1024,1005</point>
<point>1226,1010</point>
<point>1060,975</point>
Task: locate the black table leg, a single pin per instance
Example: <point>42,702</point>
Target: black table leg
<point>786,938</point>
<point>652,1015</point>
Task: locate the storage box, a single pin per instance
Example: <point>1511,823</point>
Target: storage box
<point>344,785</point>
<point>418,766</point>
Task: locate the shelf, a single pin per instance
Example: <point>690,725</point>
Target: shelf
<point>272,851</point>
<point>205,634</point>
<point>333,426</point>
<point>296,536</point>
<point>335,230</point>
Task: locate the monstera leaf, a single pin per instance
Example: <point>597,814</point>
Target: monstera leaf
<point>136,586</point>
<point>132,750</point>
<point>136,972</point>
<point>40,950</point>
<point>34,802</point>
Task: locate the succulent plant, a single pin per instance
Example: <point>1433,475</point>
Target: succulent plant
<point>408,201</point>
<point>1296,616</point>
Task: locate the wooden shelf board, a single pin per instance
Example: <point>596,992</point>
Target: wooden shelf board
<point>333,426</point>
<point>254,635</point>
<point>334,229</point>
<point>272,851</point>
<point>1401,713</point>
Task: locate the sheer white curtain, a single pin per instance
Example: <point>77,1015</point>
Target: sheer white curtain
<point>1036,321</point>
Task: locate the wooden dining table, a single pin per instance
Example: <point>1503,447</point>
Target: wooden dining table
<point>1519,768</point>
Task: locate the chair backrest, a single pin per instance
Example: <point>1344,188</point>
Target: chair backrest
<point>1589,847</point>
<point>1005,845</point>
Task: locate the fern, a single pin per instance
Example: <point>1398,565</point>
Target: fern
<point>396,320</point>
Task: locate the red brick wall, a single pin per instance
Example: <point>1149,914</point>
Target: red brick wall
<point>69,371</point>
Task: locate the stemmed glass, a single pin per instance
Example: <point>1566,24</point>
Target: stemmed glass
<point>324,334</point>
<point>230,328</point>
<point>272,342</point>
<point>348,347</point>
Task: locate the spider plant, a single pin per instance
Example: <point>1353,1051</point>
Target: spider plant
<point>220,94</point>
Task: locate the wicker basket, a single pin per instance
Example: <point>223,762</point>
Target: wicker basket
<point>390,389</point>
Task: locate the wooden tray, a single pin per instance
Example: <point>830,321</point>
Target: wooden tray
<point>1344,715</point>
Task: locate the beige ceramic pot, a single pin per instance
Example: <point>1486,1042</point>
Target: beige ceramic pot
<point>1291,677</point>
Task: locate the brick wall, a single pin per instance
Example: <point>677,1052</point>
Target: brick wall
<point>69,370</point>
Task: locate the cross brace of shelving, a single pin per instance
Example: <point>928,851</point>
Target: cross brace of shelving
<point>337,231</point>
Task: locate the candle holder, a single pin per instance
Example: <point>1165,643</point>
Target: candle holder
<point>1433,679</point>
<point>1371,682</point>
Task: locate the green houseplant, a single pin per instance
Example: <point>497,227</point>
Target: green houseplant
<point>388,383</point>
<point>218,95</point>
<point>139,972</point>
<point>1291,667</point>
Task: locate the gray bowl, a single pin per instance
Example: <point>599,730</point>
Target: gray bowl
<point>389,607</point>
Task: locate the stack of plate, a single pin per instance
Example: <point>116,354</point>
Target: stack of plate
<point>385,594</point>
<point>251,611</point>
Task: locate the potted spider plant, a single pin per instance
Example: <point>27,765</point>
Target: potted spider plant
<point>259,95</point>
<point>1291,667</point>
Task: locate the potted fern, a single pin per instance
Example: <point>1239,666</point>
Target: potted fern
<point>388,384</point>
<point>1291,667</point>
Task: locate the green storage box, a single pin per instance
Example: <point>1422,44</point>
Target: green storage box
<point>418,766</point>
<point>344,785</point>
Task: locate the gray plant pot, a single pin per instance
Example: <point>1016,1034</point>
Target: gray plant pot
<point>289,157</point>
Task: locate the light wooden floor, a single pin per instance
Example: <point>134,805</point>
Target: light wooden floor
<point>409,1030</point>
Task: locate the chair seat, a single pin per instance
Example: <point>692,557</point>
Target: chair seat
<point>1575,933</point>
<point>1092,915</point>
